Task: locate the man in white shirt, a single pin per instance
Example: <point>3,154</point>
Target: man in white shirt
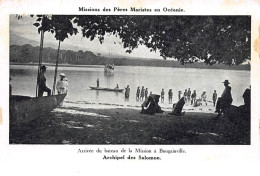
<point>61,85</point>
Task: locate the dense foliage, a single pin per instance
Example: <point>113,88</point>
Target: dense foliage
<point>212,39</point>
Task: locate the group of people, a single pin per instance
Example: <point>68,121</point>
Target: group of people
<point>222,103</point>
<point>61,86</point>
<point>142,94</point>
<point>191,98</point>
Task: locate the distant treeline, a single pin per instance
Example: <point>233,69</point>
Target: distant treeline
<point>29,54</point>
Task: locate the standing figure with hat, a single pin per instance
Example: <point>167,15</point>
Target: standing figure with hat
<point>225,101</point>
<point>41,80</point>
<point>61,84</point>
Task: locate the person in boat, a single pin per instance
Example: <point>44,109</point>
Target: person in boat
<point>127,92</point>
<point>214,97</point>
<point>98,82</point>
<point>42,82</point>
<point>177,107</point>
<point>170,95</point>
<point>188,95</point>
<point>204,97</point>
<point>137,93</point>
<point>61,85</point>
<point>193,97</point>
<point>117,86</point>
<point>162,95</point>
<point>152,105</point>
<point>146,93</point>
<point>180,95</point>
<point>224,102</point>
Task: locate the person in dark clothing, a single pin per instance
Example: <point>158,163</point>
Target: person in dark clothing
<point>162,96</point>
<point>193,97</point>
<point>137,93</point>
<point>156,98</point>
<point>225,101</point>
<point>177,107</point>
<point>170,96</point>
<point>152,105</point>
<point>42,82</point>
<point>127,93</point>
<point>146,93</point>
<point>214,97</point>
<point>97,82</point>
<point>142,93</point>
<point>185,95</point>
<point>179,95</point>
<point>188,95</point>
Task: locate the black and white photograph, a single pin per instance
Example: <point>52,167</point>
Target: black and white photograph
<point>130,79</point>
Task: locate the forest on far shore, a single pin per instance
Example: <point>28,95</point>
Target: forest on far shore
<point>29,54</point>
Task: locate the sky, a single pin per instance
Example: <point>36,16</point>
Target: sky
<point>25,28</point>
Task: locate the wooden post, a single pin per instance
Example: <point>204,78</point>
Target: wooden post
<point>40,61</point>
<point>56,69</point>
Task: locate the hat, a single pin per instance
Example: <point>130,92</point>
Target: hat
<point>62,74</point>
<point>226,82</point>
<point>43,67</point>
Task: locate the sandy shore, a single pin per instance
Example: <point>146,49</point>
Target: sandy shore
<point>119,125</point>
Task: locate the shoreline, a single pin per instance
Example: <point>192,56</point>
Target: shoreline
<point>102,66</point>
<point>120,125</point>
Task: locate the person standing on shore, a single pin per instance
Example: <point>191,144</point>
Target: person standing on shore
<point>188,95</point>
<point>142,93</point>
<point>185,94</point>
<point>179,95</point>
<point>146,93</point>
<point>41,80</point>
<point>204,97</point>
<point>137,93</point>
<point>214,97</point>
<point>98,82</point>
<point>193,97</point>
<point>162,96</point>
<point>224,102</point>
<point>170,96</point>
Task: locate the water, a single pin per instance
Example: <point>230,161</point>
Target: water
<point>154,78</point>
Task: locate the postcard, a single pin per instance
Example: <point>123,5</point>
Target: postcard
<point>89,84</point>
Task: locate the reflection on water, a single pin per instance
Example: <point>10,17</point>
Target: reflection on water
<point>97,94</point>
<point>153,78</point>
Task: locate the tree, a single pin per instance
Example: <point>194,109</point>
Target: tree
<point>212,39</point>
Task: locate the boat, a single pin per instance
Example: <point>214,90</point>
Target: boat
<point>109,68</point>
<point>25,108</point>
<point>106,89</point>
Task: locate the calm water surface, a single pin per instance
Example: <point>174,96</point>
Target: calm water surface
<point>154,78</point>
